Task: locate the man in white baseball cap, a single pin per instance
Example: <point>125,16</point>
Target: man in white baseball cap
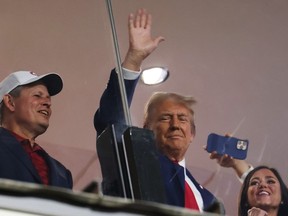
<point>25,110</point>
<point>52,81</point>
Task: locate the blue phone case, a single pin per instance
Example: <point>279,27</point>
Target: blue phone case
<point>234,147</point>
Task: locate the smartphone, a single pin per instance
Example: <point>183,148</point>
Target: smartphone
<point>232,146</point>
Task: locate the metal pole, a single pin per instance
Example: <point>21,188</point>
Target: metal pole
<point>118,66</point>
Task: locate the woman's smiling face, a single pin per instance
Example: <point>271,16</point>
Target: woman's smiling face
<point>264,190</point>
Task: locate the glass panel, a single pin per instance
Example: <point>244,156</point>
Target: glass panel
<point>230,55</point>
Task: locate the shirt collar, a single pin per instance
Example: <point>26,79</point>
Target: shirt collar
<point>182,163</point>
<point>17,136</point>
<point>20,139</point>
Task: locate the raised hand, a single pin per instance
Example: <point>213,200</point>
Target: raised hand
<point>141,43</point>
<point>239,166</point>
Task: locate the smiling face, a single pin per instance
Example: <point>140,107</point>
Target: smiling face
<point>32,110</point>
<point>171,123</point>
<point>264,190</point>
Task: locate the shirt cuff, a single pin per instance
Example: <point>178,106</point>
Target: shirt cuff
<point>242,178</point>
<point>129,74</point>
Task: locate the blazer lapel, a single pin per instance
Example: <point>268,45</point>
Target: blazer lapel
<point>15,148</point>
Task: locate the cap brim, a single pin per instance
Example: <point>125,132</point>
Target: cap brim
<point>52,81</point>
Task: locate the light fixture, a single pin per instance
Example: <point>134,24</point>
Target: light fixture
<point>154,75</point>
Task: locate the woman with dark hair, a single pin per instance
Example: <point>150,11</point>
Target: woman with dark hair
<point>263,193</point>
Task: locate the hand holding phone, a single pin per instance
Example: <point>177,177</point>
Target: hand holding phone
<point>232,146</point>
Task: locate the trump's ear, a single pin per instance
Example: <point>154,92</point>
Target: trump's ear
<point>192,137</point>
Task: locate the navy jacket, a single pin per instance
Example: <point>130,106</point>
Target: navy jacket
<point>111,112</point>
<point>15,164</point>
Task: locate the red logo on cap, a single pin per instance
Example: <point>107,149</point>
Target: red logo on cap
<point>33,73</point>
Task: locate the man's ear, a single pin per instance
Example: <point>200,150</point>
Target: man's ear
<point>192,137</point>
<point>8,100</point>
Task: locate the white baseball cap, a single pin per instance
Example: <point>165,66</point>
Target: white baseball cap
<point>52,81</point>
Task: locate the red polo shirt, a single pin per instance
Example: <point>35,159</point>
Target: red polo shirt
<point>36,155</point>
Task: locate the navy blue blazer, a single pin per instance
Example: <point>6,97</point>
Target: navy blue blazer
<point>15,164</point>
<point>110,112</point>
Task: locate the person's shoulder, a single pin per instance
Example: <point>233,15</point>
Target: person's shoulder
<point>5,134</point>
<point>3,130</point>
<point>57,164</point>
